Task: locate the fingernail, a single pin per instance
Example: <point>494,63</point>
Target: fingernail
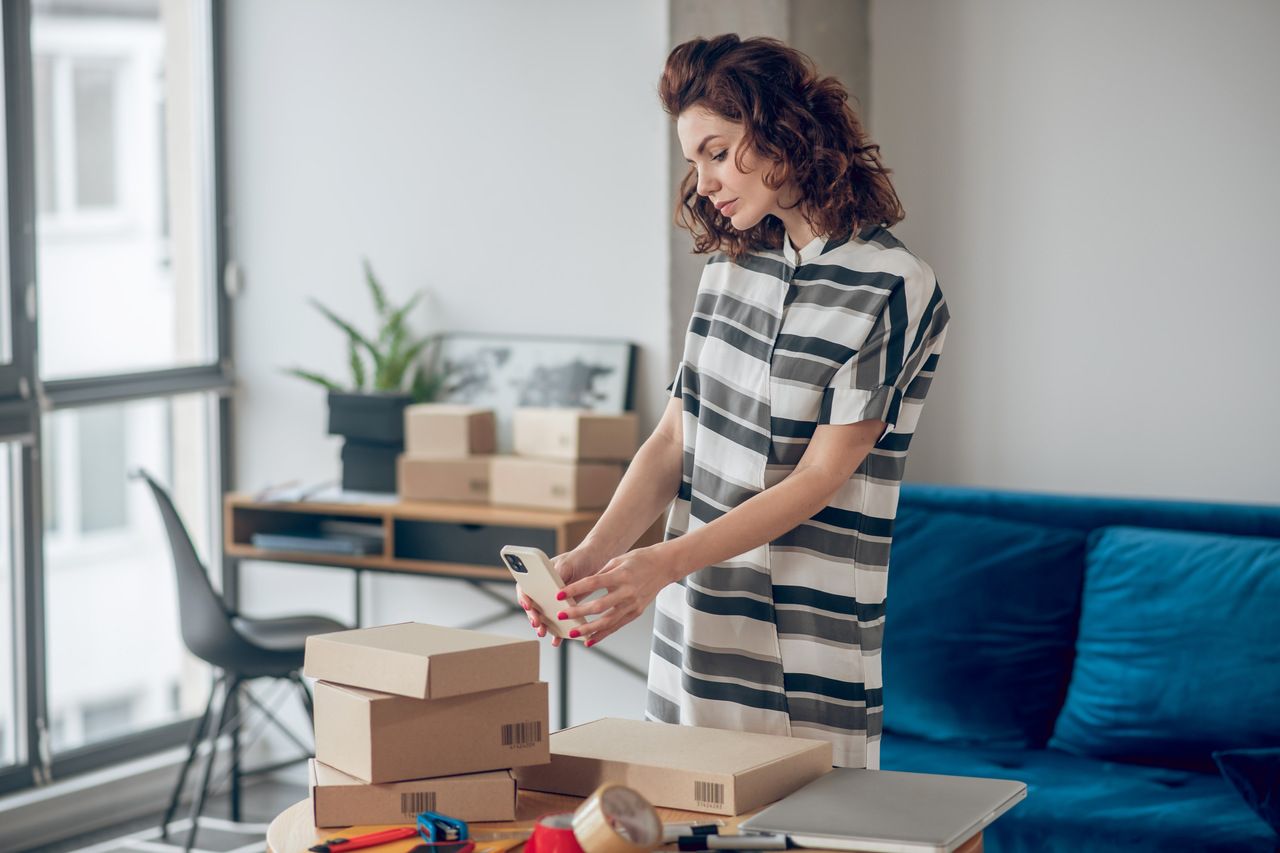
<point>575,634</point>
<point>560,595</point>
<point>590,643</point>
<point>524,605</point>
<point>562,615</point>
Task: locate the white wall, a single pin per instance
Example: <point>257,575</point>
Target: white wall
<point>508,156</point>
<point>1095,184</point>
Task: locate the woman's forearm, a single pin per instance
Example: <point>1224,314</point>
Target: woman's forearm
<point>763,518</point>
<point>648,487</point>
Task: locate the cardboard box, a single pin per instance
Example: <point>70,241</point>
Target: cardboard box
<point>422,478</point>
<point>679,767</point>
<point>421,661</point>
<point>341,800</point>
<point>448,429</point>
<point>577,434</point>
<point>552,484</point>
<point>377,737</point>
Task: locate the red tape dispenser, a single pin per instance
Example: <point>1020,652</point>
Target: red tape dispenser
<point>614,819</point>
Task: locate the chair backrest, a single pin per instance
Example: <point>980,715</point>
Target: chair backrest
<point>206,624</point>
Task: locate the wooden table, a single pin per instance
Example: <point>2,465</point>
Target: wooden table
<point>293,830</point>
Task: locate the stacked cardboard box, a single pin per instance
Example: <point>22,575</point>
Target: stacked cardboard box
<point>566,459</point>
<point>447,453</point>
<point>413,717</point>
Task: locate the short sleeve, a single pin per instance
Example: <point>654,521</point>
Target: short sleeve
<point>905,339</point>
<point>674,389</point>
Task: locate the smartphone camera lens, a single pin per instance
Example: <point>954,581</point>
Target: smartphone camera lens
<point>516,564</point>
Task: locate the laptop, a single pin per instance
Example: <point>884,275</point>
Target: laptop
<point>885,811</point>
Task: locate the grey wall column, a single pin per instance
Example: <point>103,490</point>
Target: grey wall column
<point>833,32</point>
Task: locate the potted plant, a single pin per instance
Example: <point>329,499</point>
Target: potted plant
<point>388,373</point>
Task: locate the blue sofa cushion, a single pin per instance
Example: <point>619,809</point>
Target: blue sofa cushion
<point>980,626</point>
<point>1255,773</point>
<point>1085,804</point>
<point>1179,647</point>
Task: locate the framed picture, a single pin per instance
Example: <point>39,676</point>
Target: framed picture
<point>507,371</point>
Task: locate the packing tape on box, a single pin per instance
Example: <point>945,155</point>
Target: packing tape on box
<point>614,819</point>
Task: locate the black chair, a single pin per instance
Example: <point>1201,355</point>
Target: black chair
<point>240,649</point>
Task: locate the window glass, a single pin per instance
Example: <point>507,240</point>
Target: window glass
<point>123,187</point>
<point>122,668</point>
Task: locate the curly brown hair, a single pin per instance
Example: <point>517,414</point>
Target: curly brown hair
<point>798,121</point>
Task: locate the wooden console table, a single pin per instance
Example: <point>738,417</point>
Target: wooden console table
<point>454,541</point>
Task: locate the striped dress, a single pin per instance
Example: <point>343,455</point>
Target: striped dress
<point>786,638</point>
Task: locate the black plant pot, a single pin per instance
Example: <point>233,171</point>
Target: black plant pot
<point>373,425</point>
<point>377,417</point>
<point>369,466</point>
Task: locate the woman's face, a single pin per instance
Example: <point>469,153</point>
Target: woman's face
<point>710,144</point>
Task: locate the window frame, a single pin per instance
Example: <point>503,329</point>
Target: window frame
<point>25,401</point>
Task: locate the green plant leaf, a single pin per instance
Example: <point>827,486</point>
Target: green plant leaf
<point>396,369</point>
<point>379,295</point>
<point>353,333</point>
<point>357,363</point>
<point>395,320</point>
<point>314,377</point>
<point>426,383</point>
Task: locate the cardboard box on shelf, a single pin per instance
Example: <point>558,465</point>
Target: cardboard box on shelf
<point>378,737</point>
<point>552,484</point>
<point>577,434</point>
<point>449,429</point>
<point>424,478</point>
<point>421,661</point>
<point>338,799</point>
<point>679,767</point>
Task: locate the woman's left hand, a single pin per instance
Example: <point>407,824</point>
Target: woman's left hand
<point>633,580</point>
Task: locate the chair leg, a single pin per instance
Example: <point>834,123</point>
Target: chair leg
<point>197,735</point>
<point>235,758</point>
<point>232,685</point>
<point>272,718</point>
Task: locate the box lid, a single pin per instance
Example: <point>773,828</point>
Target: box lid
<point>685,748</point>
<point>448,409</point>
<point>421,661</point>
<point>324,776</point>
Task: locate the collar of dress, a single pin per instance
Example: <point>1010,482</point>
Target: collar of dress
<point>806,254</point>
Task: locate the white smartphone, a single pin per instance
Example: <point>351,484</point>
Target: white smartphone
<point>540,581</point>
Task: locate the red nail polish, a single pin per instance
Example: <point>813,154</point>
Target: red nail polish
<point>590,643</point>
<point>575,634</point>
<point>560,595</point>
<point>562,615</point>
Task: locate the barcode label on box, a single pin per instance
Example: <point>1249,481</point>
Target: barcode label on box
<point>520,735</point>
<point>416,802</point>
<point>709,793</point>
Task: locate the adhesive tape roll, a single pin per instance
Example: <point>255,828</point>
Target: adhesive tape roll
<point>553,834</point>
<point>616,819</point>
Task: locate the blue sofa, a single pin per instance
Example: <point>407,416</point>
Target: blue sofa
<point>1101,650</point>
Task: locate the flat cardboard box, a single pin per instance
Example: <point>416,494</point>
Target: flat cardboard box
<point>424,478</point>
<point>575,434</point>
<point>421,661</point>
<point>679,767</point>
<point>552,484</point>
<point>377,737</point>
<point>449,429</point>
<point>341,800</point>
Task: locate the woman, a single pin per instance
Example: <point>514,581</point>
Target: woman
<point>813,340</point>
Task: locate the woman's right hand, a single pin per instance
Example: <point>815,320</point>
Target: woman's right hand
<point>579,563</point>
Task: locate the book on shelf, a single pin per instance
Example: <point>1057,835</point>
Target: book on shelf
<point>328,543</point>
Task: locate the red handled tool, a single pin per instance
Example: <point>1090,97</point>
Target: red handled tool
<point>341,845</point>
